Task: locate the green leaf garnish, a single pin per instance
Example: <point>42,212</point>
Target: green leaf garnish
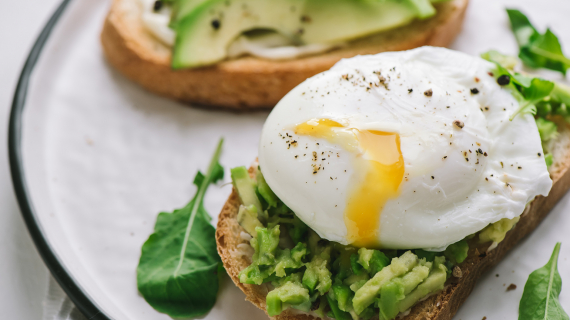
<point>526,89</point>
<point>508,62</point>
<point>540,296</point>
<point>179,265</point>
<point>537,90</point>
<point>536,96</point>
<point>537,50</point>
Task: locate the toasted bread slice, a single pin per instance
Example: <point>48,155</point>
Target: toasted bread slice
<point>441,306</point>
<point>248,82</point>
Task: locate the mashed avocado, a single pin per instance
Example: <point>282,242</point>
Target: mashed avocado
<point>342,282</point>
<point>497,231</point>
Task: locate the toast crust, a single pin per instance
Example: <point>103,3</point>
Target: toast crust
<point>441,306</point>
<point>249,83</point>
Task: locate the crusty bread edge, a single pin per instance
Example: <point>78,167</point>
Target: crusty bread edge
<point>246,83</point>
<point>441,306</point>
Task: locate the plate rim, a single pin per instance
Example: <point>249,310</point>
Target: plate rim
<point>75,293</point>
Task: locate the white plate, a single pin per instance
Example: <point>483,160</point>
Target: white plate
<point>100,158</point>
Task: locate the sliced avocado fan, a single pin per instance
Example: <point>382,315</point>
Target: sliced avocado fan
<point>205,28</point>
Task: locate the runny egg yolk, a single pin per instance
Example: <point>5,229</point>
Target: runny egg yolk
<point>379,172</point>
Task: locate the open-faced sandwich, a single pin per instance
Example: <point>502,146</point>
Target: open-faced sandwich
<point>388,184</point>
<point>246,54</point>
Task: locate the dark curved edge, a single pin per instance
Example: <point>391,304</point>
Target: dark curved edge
<point>75,293</point>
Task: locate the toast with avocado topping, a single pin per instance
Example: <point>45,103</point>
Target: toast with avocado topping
<point>445,280</point>
<point>248,82</point>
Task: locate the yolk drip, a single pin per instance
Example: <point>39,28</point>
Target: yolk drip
<point>379,166</point>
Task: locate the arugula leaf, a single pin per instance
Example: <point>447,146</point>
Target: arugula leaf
<point>524,31</point>
<point>540,296</point>
<point>527,90</point>
<point>537,50</point>
<point>535,92</point>
<point>179,265</point>
<point>500,59</point>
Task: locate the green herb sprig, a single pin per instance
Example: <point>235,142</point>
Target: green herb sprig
<point>179,266</point>
<point>526,89</point>
<point>540,296</point>
<point>537,50</point>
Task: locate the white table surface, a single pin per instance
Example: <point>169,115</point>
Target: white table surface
<point>23,275</point>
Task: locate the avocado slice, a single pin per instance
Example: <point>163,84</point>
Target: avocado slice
<point>181,8</point>
<point>397,289</point>
<point>372,260</point>
<point>317,277</point>
<point>399,266</point>
<point>247,218</point>
<point>336,311</point>
<point>265,191</point>
<point>290,294</point>
<point>265,244</point>
<point>245,188</point>
<point>433,283</point>
<point>343,295</point>
<point>208,27</point>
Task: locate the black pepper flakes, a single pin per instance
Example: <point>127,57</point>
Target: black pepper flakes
<point>539,154</point>
<point>305,18</point>
<point>428,93</point>
<point>504,80</point>
<point>459,124</point>
<point>216,24</point>
<point>474,91</point>
<point>410,90</point>
<point>157,5</point>
<point>432,177</point>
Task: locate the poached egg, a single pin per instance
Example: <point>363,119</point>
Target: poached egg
<point>403,150</point>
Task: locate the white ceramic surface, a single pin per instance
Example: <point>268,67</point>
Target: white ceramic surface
<point>23,275</point>
<point>103,157</point>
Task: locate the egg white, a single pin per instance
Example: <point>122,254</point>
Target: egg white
<point>450,189</point>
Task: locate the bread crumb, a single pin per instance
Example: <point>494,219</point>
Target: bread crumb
<point>243,250</point>
<point>511,287</point>
<point>245,236</point>
<point>457,272</point>
<point>484,318</point>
